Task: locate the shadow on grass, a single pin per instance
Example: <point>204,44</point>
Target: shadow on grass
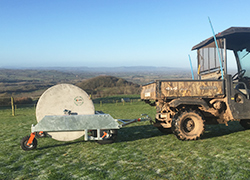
<point>147,131</point>
<point>124,135</point>
<point>134,133</point>
<point>221,130</point>
<point>60,145</point>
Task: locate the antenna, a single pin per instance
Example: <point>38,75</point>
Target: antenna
<point>191,67</point>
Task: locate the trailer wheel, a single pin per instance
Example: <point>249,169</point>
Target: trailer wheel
<point>40,134</point>
<point>109,136</point>
<point>26,147</point>
<point>188,125</point>
<point>245,123</point>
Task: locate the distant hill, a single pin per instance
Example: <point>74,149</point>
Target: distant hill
<point>108,85</point>
<point>120,69</point>
<point>32,82</point>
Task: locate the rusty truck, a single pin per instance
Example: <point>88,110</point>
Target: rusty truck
<point>184,107</point>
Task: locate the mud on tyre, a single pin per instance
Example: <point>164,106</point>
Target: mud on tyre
<point>188,125</point>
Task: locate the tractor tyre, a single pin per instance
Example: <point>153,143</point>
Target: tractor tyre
<point>188,125</point>
<point>26,147</point>
<point>245,123</point>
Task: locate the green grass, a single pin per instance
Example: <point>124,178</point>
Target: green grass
<point>140,152</point>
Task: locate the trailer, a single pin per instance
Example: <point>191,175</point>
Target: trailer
<point>65,112</point>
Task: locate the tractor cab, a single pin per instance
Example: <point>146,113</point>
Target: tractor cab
<point>236,39</point>
<point>212,66</point>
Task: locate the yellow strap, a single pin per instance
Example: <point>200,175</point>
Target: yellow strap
<point>199,68</point>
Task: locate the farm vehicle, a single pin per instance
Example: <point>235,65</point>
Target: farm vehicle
<point>184,107</point>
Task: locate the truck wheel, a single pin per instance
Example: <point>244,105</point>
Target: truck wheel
<point>245,123</point>
<point>109,136</point>
<point>188,125</point>
<point>26,147</point>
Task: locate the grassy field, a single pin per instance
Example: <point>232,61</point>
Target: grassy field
<point>140,152</point>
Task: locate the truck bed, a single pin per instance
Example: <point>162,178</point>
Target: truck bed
<point>182,88</point>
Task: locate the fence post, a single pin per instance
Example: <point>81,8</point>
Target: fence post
<point>100,103</point>
<point>12,106</point>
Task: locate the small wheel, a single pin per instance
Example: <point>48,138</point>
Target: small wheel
<point>109,136</point>
<point>26,147</point>
<point>188,125</point>
<point>245,123</point>
<point>40,135</point>
<point>162,129</point>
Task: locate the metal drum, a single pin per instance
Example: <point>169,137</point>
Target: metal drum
<point>61,99</point>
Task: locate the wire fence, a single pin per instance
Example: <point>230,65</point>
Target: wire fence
<point>10,102</point>
<point>5,103</point>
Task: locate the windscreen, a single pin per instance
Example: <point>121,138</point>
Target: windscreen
<point>244,57</point>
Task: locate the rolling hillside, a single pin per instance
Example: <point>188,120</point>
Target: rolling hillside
<point>21,83</point>
<point>31,83</point>
<point>108,85</point>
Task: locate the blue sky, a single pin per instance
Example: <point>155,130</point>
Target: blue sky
<point>110,33</point>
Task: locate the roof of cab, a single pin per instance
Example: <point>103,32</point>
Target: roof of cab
<point>236,38</point>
